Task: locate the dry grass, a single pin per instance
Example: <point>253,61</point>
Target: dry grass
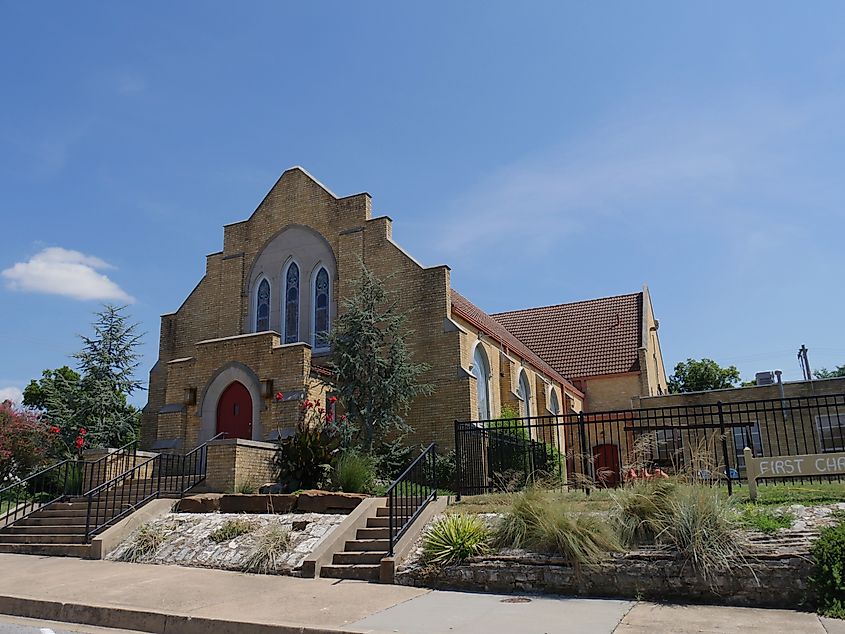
<point>272,545</point>
<point>146,542</point>
<point>231,529</point>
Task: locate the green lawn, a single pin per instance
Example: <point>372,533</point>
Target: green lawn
<point>795,493</point>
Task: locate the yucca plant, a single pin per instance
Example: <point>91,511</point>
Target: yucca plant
<point>455,538</point>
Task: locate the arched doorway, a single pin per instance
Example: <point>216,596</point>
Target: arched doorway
<point>234,412</point>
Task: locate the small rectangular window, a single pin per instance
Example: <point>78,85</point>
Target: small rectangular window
<point>747,437</point>
<point>831,429</point>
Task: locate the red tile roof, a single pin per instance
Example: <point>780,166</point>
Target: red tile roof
<point>582,339</point>
<point>484,322</point>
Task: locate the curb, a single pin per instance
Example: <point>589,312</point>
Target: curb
<point>146,621</point>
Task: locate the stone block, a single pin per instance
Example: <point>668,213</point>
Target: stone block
<point>314,501</point>
<point>262,504</point>
<point>205,503</point>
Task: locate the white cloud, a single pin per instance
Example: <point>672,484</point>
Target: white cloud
<point>58,271</point>
<point>11,393</point>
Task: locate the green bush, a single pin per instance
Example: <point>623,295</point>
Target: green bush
<point>304,460</point>
<point>354,472</point>
<point>231,529</point>
<point>515,457</point>
<point>828,579</point>
<point>536,522</point>
<point>454,538</point>
<point>392,458</point>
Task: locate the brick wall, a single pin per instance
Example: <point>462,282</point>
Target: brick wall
<point>235,462</point>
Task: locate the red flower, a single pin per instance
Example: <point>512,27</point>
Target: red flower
<point>83,431</point>
<point>332,399</point>
<point>53,429</point>
<point>329,417</point>
<point>343,417</point>
<point>279,396</point>
<point>79,442</point>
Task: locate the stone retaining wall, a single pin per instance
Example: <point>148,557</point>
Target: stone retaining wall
<point>775,580</point>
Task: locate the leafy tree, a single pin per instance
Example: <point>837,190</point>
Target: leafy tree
<point>374,374</point>
<point>695,375</point>
<point>824,373</point>
<point>36,394</point>
<point>23,442</point>
<point>90,407</point>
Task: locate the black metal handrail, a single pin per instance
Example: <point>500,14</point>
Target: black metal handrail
<point>118,497</point>
<point>41,488</point>
<point>163,474</point>
<point>410,493</point>
<point>118,461</point>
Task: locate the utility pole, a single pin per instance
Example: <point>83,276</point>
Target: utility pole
<point>805,363</point>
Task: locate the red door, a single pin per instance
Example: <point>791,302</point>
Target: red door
<point>234,412</point>
<point>606,463</point>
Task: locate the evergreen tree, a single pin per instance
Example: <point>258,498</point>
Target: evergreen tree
<point>107,363</point>
<point>374,374</point>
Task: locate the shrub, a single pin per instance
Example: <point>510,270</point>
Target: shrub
<point>231,529</point>
<point>640,511</point>
<point>267,556</point>
<point>354,472</point>
<point>828,579</point>
<point>536,522</point>
<point>392,458</point>
<point>146,543</point>
<point>764,519</point>
<point>304,460</point>
<point>454,538</point>
<point>701,525</point>
<point>23,442</point>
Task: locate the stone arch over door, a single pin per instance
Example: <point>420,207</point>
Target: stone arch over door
<point>226,375</point>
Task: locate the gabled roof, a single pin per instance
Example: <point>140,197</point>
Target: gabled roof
<point>582,339</point>
<point>465,309</point>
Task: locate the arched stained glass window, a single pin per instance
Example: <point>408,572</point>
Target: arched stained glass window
<point>524,395</point>
<point>262,307</point>
<point>554,403</point>
<point>291,306</point>
<point>481,372</point>
<point>321,308</point>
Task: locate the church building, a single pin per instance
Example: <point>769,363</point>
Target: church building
<point>255,326</point>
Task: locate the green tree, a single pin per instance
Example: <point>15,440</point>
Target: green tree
<point>695,375</point>
<point>91,407</point>
<point>373,374</point>
<point>35,394</point>
<point>824,373</point>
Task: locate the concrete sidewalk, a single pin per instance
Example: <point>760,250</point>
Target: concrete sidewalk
<point>165,599</point>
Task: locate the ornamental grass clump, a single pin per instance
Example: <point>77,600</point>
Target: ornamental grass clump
<point>354,472</point>
<point>454,539</point>
<point>538,522</point>
<point>828,578</point>
<point>701,525</point>
<point>145,544</point>
<point>272,546</point>
<point>640,511</point>
<point>231,529</point>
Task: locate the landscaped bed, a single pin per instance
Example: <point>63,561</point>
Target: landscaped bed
<point>660,540</point>
<point>276,544</point>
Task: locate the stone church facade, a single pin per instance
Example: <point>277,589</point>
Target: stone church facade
<point>254,326</point>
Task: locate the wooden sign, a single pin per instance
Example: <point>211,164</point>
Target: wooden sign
<point>816,464</point>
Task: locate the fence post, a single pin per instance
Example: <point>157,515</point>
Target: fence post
<point>583,452</point>
<point>458,475</point>
<point>725,448</point>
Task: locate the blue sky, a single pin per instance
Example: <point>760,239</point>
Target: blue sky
<point>548,152</point>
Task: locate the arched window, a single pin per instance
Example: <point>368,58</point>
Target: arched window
<point>524,395</point>
<point>262,307</point>
<point>554,402</point>
<point>481,372</point>
<point>321,308</point>
<point>291,304</point>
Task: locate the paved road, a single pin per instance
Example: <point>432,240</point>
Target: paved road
<point>15,625</point>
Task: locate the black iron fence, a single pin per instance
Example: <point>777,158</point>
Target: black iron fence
<point>410,493</point>
<point>606,449</point>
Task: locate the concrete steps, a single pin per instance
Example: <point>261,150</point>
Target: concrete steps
<point>361,557</point>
